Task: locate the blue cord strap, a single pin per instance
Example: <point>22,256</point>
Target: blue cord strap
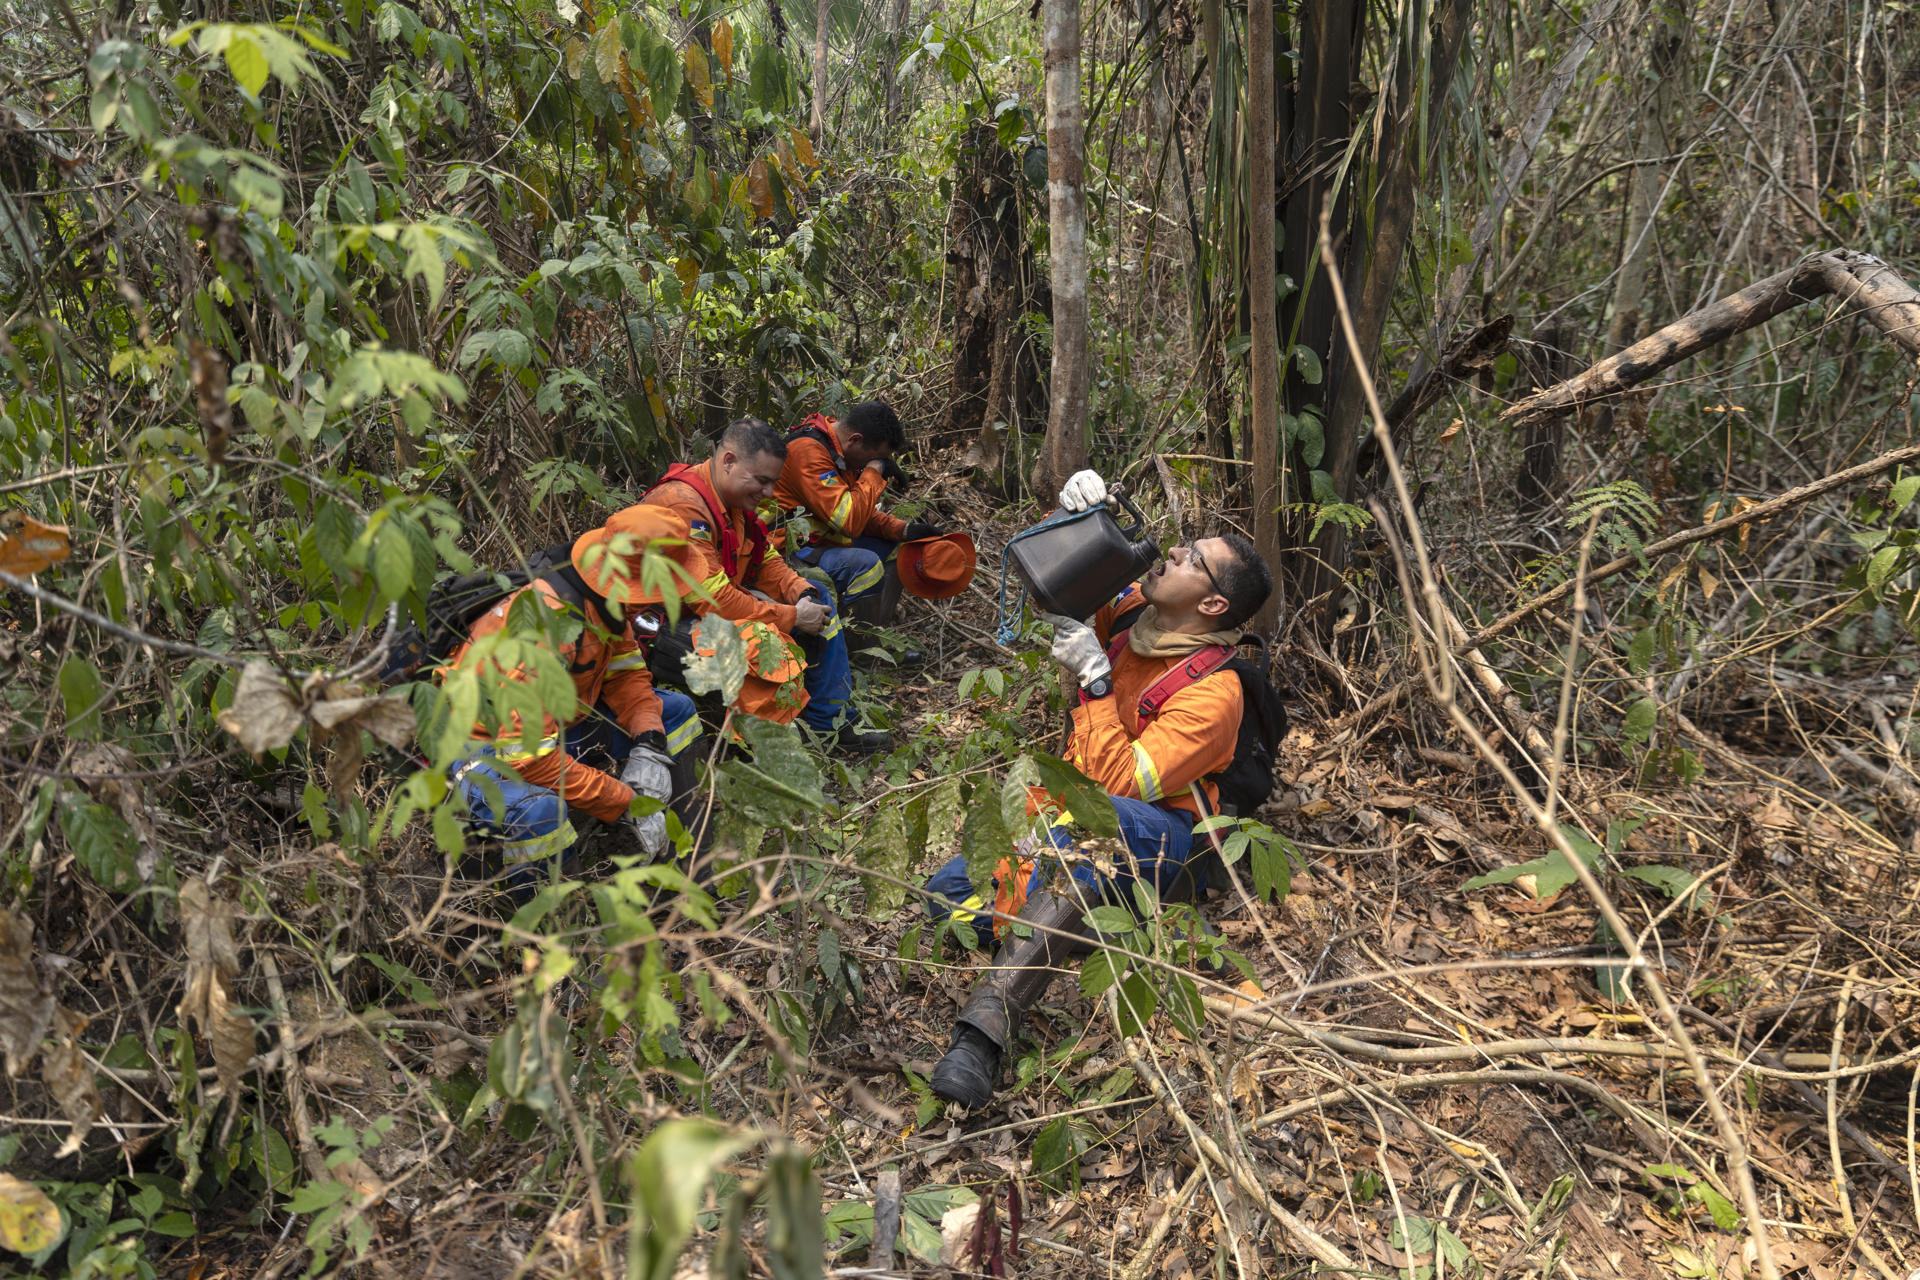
<point>1008,626</point>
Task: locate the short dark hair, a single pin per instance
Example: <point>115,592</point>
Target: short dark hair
<point>751,437</point>
<point>876,423</point>
<point>1245,581</point>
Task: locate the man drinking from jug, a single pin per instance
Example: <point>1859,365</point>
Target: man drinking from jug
<point>1155,757</point>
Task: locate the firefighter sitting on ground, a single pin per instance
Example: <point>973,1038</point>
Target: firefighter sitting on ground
<point>835,473</point>
<point>749,583</point>
<point>1199,596</point>
<point>521,790</point>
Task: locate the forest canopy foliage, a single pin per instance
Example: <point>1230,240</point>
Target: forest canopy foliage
<point>307,306</point>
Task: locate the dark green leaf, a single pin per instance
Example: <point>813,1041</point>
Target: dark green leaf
<point>1056,1158</point>
<point>1085,799</point>
<point>81,693</point>
<point>102,844</point>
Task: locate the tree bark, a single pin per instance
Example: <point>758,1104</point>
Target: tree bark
<point>1065,450</point>
<point>1264,440</point>
<point>1394,201</point>
<point>822,16</point>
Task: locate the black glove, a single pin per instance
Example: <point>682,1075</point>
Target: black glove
<point>890,472</point>
<point>920,529</point>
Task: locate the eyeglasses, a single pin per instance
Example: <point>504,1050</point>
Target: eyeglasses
<point>1193,554</point>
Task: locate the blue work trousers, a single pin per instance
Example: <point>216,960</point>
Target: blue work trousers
<point>1161,841</point>
<point>856,570</point>
<point>531,822</point>
<point>829,673</point>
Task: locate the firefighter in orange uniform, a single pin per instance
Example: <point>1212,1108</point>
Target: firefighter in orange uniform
<point>749,583</point>
<point>520,789</point>
<point>835,473</point>
<point>1152,756</point>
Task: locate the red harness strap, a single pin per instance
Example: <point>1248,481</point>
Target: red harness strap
<point>726,537</point>
<point>1199,665</point>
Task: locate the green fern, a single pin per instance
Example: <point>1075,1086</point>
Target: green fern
<point>1628,516</point>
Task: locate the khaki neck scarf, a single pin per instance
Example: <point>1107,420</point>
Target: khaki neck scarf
<point>1150,640</point>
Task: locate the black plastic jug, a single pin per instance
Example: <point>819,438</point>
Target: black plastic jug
<point>1075,564</point>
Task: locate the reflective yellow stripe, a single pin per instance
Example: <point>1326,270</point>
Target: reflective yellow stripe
<point>539,848</point>
<point>843,510</point>
<point>681,736</point>
<point>968,908</point>
<point>717,581</point>
<point>1145,775</point>
<point>546,747</point>
<point>832,628</point>
<point>867,579</point>
<point>628,662</point>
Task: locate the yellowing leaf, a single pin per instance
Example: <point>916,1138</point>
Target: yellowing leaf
<point>576,57</point>
<point>29,1222</point>
<point>695,59</point>
<point>803,147</point>
<point>689,272</point>
<point>1708,583</point>
<point>248,62</point>
<point>608,53</point>
<point>27,546</point>
<point>723,46</point>
<point>637,111</point>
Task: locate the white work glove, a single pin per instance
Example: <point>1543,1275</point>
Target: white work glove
<point>1085,489</point>
<point>649,771</point>
<point>1077,648</point>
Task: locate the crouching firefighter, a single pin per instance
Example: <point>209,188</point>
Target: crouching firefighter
<point>745,583</point>
<point>620,738</point>
<point>1162,707</point>
<point>835,473</point>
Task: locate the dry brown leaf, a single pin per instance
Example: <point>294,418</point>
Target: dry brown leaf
<point>213,961</point>
<point>27,546</point>
<point>208,370</point>
<point>26,1007</point>
<point>1453,429</point>
<point>723,46</point>
<point>1708,583</point>
<point>68,1077</point>
<point>265,713</point>
<point>388,717</point>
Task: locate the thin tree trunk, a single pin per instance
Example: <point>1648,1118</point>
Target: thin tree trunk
<point>822,15</point>
<point>1394,204</point>
<point>1066,445</point>
<point>1264,377</point>
<point>893,59</point>
<point>1667,46</point>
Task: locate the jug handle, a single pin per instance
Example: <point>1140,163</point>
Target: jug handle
<point>1126,504</point>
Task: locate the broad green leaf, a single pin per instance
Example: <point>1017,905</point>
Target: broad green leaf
<point>1137,1002</point>
<point>1640,720</point>
<point>1056,1157</point>
<point>393,562</point>
<point>782,780</point>
<point>1113,922</point>
<point>81,694</point>
<point>102,844</point>
<point>1904,491</point>
<point>1881,567</point>
<point>248,63</point>
<point>1085,799</point>
<point>984,843</point>
<point>668,1177</point>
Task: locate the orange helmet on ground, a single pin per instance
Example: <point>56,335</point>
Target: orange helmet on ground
<point>937,568</point>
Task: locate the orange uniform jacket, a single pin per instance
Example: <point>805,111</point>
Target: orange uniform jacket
<point>1194,734</point>
<point>844,507</point>
<point>605,668</point>
<point>732,600</point>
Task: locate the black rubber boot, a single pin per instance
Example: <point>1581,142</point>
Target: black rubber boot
<point>862,742</point>
<point>873,611</point>
<point>967,1073</point>
<point>1022,971</point>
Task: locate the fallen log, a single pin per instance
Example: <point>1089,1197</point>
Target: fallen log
<point>1859,280</point>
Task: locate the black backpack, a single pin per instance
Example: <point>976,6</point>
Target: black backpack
<point>454,602</point>
<point>1247,781</point>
